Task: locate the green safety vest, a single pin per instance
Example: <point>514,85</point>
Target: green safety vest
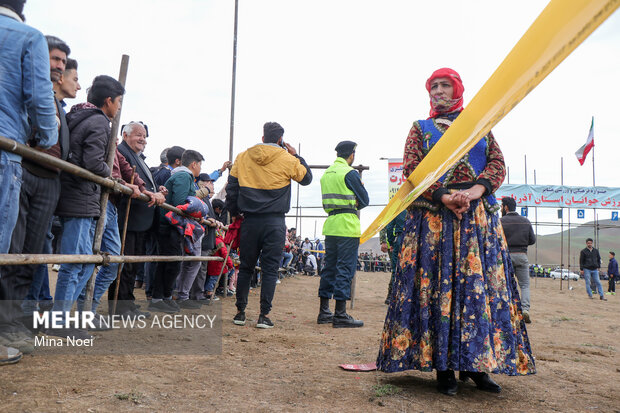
<point>336,196</point>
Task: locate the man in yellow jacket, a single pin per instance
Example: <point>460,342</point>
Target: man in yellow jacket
<point>343,195</point>
<point>259,187</point>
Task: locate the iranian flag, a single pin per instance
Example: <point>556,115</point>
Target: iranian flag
<point>585,149</point>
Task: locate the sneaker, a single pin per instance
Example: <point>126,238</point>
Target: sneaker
<point>189,304</point>
<point>24,342</point>
<point>172,304</point>
<point>9,355</point>
<point>162,307</point>
<point>603,298</point>
<point>212,298</point>
<point>526,317</point>
<point>264,322</point>
<point>56,267</point>
<point>278,281</point>
<point>239,318</point>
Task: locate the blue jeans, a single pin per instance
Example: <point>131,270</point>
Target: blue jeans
<point>594,274</point>
<point>40,287</point>
<point>286,259</point>
<point>10,185</point>
<point>110,243</point>
<point>77,238</point>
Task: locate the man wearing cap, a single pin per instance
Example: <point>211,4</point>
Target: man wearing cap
<point>519,234</point>
<point>259,187</point>
<point>343,195</point>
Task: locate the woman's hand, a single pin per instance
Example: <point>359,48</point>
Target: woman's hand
<point>455,203</point>
<point>459,201</point>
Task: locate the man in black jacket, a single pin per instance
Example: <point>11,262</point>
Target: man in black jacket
<point>79,203</point>
<point>589,263</point>
<point>141,215</point>
<point>259,187</point>
<point>519,234</point>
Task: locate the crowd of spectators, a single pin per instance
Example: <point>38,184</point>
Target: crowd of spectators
<point>47,210</point>
<point>371,262</point>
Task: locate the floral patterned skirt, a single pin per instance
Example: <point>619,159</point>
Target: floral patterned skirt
<point>455,304</point>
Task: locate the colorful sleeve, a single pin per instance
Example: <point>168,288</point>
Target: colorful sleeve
<point>495,170</point>
<point>413,156</point>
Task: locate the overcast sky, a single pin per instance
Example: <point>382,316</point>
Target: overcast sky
<point>335,70</point>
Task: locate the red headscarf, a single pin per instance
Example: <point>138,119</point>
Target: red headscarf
<point>457,85</point>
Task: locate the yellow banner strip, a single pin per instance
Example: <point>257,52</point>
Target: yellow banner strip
<point>559,29</point>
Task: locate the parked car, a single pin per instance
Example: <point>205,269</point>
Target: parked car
<point>564,274</point>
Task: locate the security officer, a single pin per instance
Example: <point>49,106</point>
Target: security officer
<point>343,195</point>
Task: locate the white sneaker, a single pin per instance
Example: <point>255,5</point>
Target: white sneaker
<point>277,281</point>
<point>56,267</point>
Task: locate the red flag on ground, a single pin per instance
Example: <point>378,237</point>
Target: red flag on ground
<point>582,153</point>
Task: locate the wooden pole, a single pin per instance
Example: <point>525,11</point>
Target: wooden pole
<point>45,159</point>
<point>123,237</point>
<point>234,81</point>
<point>100,259</point>
<point>220,276</point>
<point>105,195</point>
<point>561,226</point>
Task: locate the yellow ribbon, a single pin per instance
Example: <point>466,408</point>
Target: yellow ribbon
<point>559,29</point>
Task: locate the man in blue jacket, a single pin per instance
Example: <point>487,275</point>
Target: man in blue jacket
<point>25,91</point>
<point>612,272</point>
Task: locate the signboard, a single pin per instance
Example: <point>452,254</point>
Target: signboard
<point>558,196</point>
<point>614,215</point>
<point>581,213</point>
<point>395,175</point>
<point>524,211</point>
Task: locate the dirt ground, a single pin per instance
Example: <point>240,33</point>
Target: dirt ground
<point>294,366</point>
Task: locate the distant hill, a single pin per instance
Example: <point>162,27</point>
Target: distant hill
<point>549,250</point>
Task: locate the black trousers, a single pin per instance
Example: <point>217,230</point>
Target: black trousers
<point>135,244</point>
<point>169,242</point>
<point>612,285</point>
<point>37,202</point>
<point>261,236</point>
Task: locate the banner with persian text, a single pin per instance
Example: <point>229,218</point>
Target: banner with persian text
<point>395,175</point>
<point>558,196</point>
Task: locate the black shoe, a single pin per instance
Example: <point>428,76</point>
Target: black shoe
<point>483,381</point>
<point>172,305</point>
<point>446,382</point>
<point>239,318</point>
<point>189,304</point>
<point>264,322</point>
<point>386,302</point>
<point>603,298</point>
<point>135,313</point>
<point>342,319</point>
<point>325,315</point>
<point>161,307</point>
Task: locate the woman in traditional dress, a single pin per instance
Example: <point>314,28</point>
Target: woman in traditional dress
<point>454,304</point>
